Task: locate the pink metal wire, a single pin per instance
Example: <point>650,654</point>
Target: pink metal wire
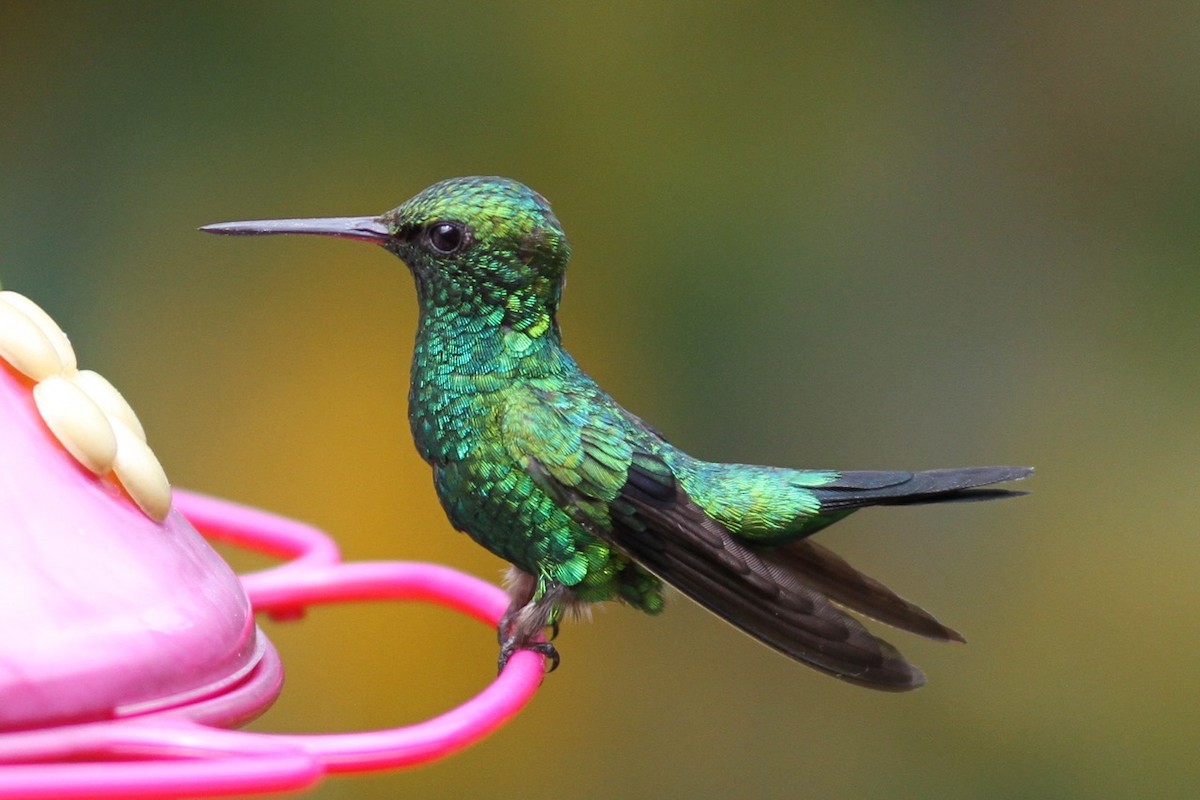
<point>177,751</point>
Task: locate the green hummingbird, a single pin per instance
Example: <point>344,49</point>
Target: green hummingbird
<point>587,501</point>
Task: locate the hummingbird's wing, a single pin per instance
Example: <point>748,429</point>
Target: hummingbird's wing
<point>830,574</point>
<point>757,591</point>
<point>594,463</point>
<point>576,449</point>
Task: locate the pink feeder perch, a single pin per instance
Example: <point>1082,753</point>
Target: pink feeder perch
<point>127,645</point>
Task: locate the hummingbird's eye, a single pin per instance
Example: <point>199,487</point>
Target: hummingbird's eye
<point>445,238</point>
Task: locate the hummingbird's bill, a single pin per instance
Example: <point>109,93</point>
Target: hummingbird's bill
<point>366,229</point>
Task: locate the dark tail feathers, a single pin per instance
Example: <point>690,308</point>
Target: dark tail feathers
<point>857,489</point>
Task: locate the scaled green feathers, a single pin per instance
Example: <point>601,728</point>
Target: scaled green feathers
<point>589,503</point>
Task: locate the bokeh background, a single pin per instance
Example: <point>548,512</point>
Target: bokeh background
<point>870,235</point>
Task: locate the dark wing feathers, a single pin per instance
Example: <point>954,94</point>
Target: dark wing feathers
<point>830,574</point>
<point>649,487</point>
<point>758,591</point>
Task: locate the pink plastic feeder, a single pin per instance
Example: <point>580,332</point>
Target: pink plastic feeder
<point>125,638</point>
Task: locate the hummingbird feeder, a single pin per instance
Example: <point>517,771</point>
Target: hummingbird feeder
<point>128,647</point>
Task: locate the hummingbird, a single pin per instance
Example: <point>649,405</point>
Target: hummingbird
<point>590,503</point>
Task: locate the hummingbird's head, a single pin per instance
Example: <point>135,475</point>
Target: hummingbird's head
<point>480,246</point>
<point>487,241</point>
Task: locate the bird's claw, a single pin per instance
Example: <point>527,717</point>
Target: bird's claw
<point>548,651</point>
<point>545,649</point>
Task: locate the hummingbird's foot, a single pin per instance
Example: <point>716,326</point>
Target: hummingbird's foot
<point>546,649</point>
<point>505,629</point>
<point>531,610</point>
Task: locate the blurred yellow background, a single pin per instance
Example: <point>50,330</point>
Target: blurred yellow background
<point>871,236</point>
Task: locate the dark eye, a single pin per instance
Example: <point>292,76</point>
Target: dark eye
<point>445,237</point>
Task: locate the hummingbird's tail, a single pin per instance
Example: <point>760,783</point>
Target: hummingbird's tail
<point>854,490</point>
<point>732,537</point>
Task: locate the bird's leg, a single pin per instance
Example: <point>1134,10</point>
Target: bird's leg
<point>520,586</point>
<point>530,611</point>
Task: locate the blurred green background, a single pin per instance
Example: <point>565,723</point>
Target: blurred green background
<point>864,235</point>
